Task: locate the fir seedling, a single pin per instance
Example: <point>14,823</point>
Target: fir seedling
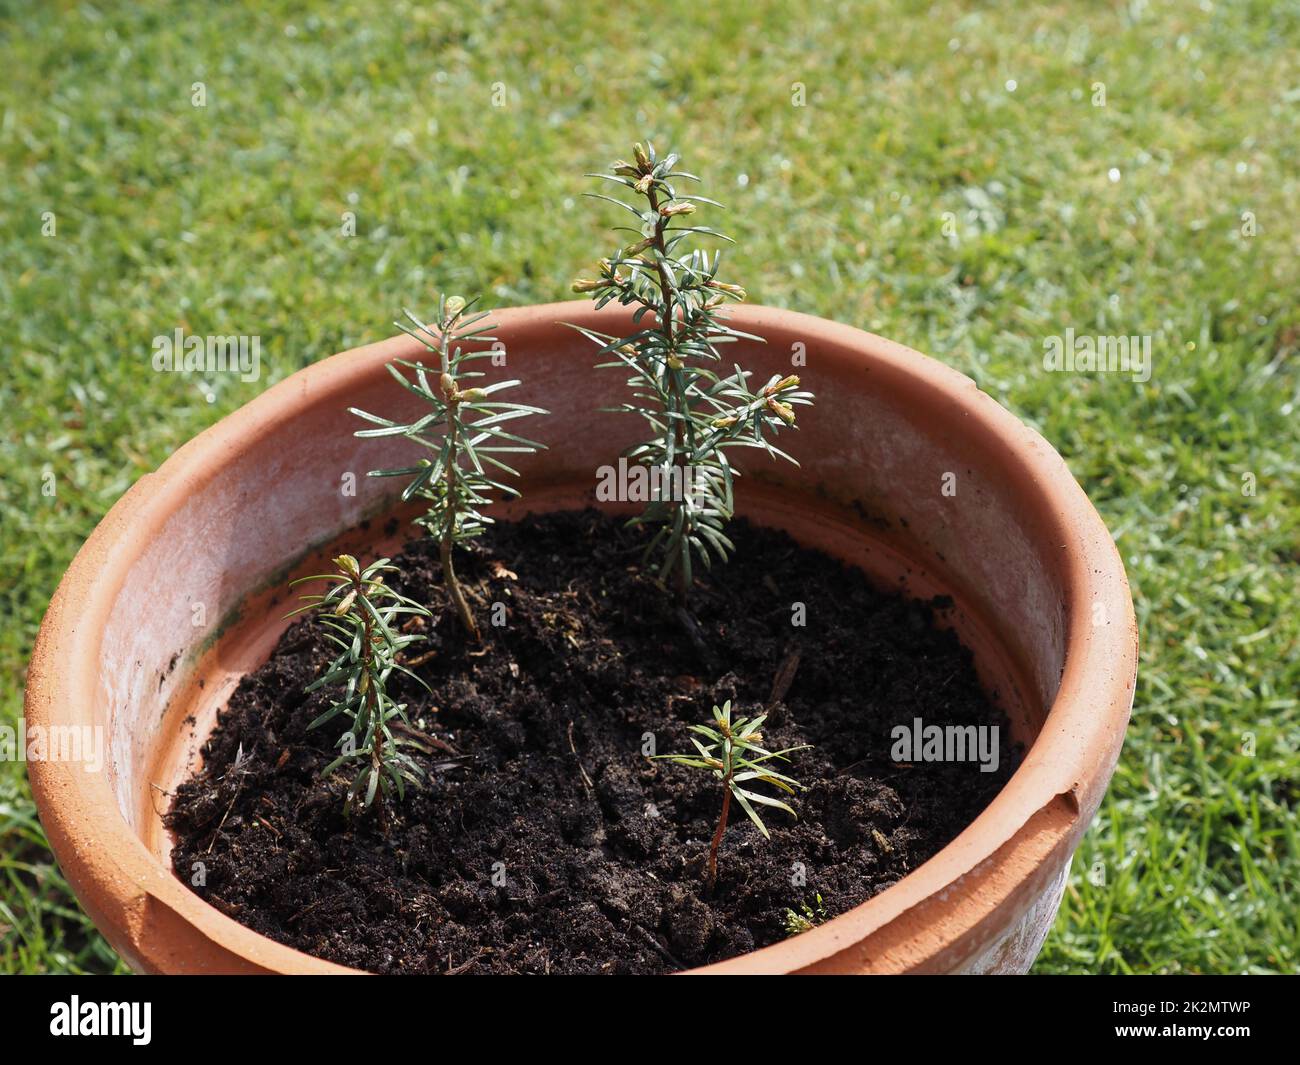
<point>694,414</point>
<point>362,617</point>
<point>735,756</point>
<point>464,431</point>
<point>806,918</point>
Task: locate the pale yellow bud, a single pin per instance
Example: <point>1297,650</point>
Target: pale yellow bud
<point>780,386</point>
<point>455,305</point>
<point>782,410</point>
<point>611,273</point>
<point>730,290</point>
<point>672,210</point>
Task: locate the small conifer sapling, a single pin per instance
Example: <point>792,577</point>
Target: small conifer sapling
<point>362,617</point>
<point>694,414</point>
<point>463,430</point>
<point>734,755</point>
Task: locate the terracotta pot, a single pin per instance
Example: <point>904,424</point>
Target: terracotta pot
<point>170,602</point>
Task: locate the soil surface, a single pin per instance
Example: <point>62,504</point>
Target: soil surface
<point>553,844</point>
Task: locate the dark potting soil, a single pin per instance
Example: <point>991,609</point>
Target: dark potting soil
<point>553,844</point>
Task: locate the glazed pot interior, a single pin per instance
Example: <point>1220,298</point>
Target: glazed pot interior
<point>896,477</point>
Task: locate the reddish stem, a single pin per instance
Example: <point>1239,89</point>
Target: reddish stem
<point>717,838</point>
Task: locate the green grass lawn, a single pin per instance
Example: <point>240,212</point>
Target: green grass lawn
<point>1170,212</point>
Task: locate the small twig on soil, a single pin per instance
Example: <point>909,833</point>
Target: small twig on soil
<point>585,779</point>
<point>875,761</point>
<point>414,734</point>
<point>652,940</point>
<point>308,908</point>
<point>784,677</point>
<point>465,965</point>
<point>239,759</point>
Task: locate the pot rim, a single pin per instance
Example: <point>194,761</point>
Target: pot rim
<point>143,908</point>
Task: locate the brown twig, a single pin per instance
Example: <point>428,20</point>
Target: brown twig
<point>465,965</point>
<point>213,841</point>
<point>423,738</point>
<point>784,677</point>
<point>585,779</point>
<point>653,941</point>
